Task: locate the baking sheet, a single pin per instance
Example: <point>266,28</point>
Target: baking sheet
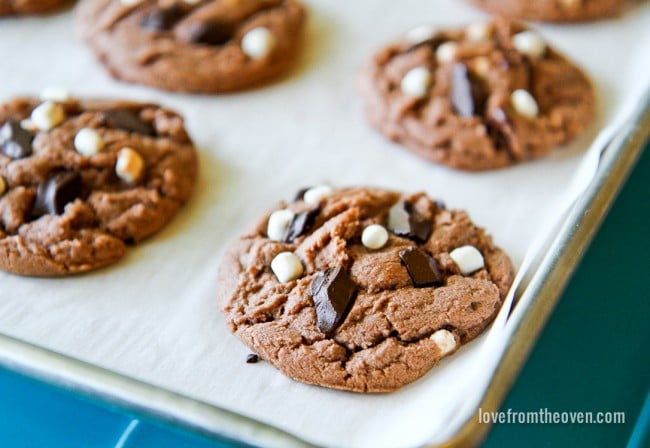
<point>153,316</point>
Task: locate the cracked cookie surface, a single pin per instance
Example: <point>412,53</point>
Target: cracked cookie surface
<point>205,46</point>
<point>20,7</point>
<point>478,98</point>
<point>81,180</point>
<point>554,10</point>
<point>391,332</point>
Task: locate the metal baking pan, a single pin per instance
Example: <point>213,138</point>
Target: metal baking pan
<point>545,287</point>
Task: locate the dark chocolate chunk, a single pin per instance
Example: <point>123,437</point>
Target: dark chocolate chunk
<point>208,33</point>
<point>15,142</point>
<point>333,291</point>
<point>499,130</point>
<point>128,120</point>
<point>300,224</point>
<point>404,220</point>
<point>252,358</point>
<point>468,95</point>
<point>300,194</point>
<point>57,191</point>
<point>163,19</point>
<point>421,267</point>
<point>461,91</point>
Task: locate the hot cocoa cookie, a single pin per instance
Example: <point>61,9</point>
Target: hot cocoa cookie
<point>82,180</point>
<point>203,46</point>
<point>478,98</point>
<point>361,289</point>
<point>554,10</point>
<point>19,7</point>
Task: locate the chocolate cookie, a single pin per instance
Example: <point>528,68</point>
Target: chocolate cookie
<point>203,46</point>
<point>553,10</point>
<point>478,98</point>
<point>361,289</point>
<point>19,7</point>
<point>81,180</point>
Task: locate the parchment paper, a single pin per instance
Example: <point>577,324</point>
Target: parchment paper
<point>153,316</point>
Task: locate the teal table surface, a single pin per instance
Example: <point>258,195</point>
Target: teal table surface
<point>592,356</point>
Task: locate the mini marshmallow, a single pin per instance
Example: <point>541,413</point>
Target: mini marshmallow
<point>129,165</point>
<point>130,2</point>
<point>286,267</point>
<point>258,43</point>
<point>416,83</point>
<point>55,94</point>
<point>48,115</point>
<point>481,66</point>
<point>278,224</point>
<point>571,3</point>
<point>445,341</point>
<point>315,194</point>
<point>28,125</point>
<point>468,259</point>
<point>529,43</point>
<point>374,236</point>
<point>88,142</point>
<point>420,34</point>
<point>479,31</point>
<point>446,52</point>
<point>3,185</point>
<point>524,103</point>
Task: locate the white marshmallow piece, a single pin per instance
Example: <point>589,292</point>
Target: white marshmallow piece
<point>446,52</point>
<point>28,125</point>
<point>374,236</point>
<point>481,66</point>
<point>445,341</point>
<point>468,259</point>
<point>420,34</point>
<point>47,115</point>
<point>316,194</point>
<point>130,2</point>
<point>129,165</point>
<point>416,83</point>
<point>55,94</point>
<point>524,103</point>
<point>529,43</point>
<point>479,31</point>
<point>278,224</point>
<point>258,43</point>
<point>88,142</point>
<point>286,267</point>
<point>3,185</point>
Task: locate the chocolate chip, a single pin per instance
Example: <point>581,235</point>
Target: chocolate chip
<point>57,191</point>
<point>467,94</point>
<point>252,358</point>
<point>404,220</point>
<point>128,120</point>
<point>163,19</point>
<point>421,267</point>
<point>208,33</point>
<point>332,291</point>
<point>15,142</point>
<point>300,194</point>
<point>300,224</point>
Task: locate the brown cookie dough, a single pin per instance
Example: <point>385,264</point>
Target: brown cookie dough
<point>82,180</point>
<point>483,97</point>
<point>19,7</point>
<point>554,10</point>
<point>205,46</point>
<point>358,288</point>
